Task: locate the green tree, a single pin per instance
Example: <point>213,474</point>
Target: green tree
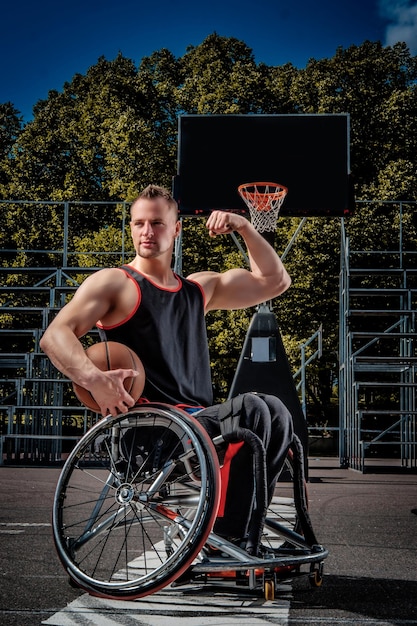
<point>220,76</point>
<point>313,264</point>
<point>102,138</point>
<point>62,153</point>
<point>376,86</point>
<point>10,127</point>
<point>278,82</point>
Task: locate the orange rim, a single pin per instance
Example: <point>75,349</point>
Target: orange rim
<point>261,200</point>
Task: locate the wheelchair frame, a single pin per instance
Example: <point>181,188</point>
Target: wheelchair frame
<point>135,505</point>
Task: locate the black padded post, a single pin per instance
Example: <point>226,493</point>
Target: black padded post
<point>263,367</point>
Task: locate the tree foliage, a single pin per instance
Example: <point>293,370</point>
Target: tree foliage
<point>377,87</point>
<point>10,127</point>
<point>112,131</point>
<point>220,77</point>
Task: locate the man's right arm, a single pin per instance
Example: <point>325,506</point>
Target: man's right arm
<point>92,301</point>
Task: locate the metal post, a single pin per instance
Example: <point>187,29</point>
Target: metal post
<point>178,252</point>
<point>65,244</point>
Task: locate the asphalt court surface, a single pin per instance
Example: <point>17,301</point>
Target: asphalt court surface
<point>368,522</point>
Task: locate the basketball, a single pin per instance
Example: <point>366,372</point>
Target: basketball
<point>111,355</point>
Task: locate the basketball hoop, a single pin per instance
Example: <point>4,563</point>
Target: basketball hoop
<point>264,201</point>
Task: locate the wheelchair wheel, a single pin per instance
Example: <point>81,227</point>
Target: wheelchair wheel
<point>135,502</point>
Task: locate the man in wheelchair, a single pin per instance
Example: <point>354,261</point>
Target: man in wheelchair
<point>160,316</point>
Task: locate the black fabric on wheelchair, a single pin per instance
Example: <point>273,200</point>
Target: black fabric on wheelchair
<point>267,418</point>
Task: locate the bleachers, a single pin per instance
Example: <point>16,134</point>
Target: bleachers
<point>378,358</point>
<point>40,417</point>
<point>39,413</point>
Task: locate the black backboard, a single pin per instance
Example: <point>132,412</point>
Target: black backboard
<point>309,154</point>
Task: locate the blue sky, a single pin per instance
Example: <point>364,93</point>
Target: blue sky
<point>43,44</point>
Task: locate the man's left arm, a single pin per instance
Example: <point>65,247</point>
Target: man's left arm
<point>240,288</point>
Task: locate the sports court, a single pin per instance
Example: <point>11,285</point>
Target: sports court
<point>369,523</point>
<point>366,521</point>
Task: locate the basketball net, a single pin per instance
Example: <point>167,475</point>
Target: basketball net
<point>264,201</point>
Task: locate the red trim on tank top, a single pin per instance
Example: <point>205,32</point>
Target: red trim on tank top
<point>135,308</point>
<point>179,279</point>
<point>200,288</point>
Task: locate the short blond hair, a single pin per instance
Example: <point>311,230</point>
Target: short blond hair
<point>155,191</point>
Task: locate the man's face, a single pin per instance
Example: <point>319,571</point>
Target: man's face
<point>154,227</point>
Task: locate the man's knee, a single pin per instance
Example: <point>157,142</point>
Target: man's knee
<point>281,418</point>
<point>262,413</point>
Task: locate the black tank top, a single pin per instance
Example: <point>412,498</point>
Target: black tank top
<point>167,331</point>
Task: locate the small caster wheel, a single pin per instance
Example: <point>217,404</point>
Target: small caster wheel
<point>269,590</point>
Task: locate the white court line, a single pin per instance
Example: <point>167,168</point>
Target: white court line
<point>353,621</point>
<point>11,530</point>
<point>22,524</point>
<point>190,605</point>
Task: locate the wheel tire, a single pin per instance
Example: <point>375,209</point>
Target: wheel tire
<point>135,502</point>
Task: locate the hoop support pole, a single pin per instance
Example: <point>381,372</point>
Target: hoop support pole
<point>293,238</point>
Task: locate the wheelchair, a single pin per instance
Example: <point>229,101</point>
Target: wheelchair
<point>136,502</point>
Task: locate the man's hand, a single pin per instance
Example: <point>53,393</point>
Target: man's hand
<point>223,223</point>
<point>110,393</point>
